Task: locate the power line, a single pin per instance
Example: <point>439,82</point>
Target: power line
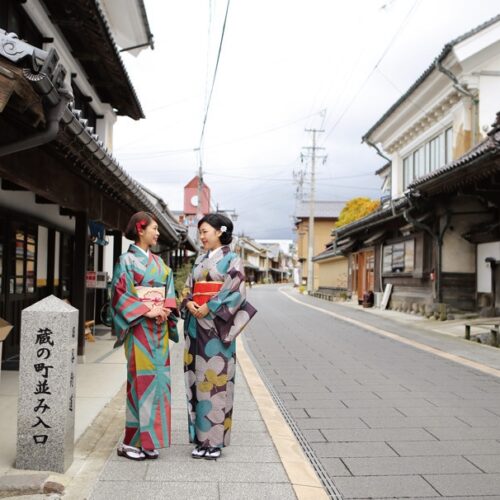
<point>160,153</point>
<point>214,77</point>
<point>285,180</point>
<point>384,53</point>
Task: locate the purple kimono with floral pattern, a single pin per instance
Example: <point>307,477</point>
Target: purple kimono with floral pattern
<point>210,347</point>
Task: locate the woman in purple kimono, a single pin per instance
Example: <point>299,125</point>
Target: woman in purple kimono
<point>215,311</point>
<point>142,302</point>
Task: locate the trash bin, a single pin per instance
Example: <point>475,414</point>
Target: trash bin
<point>368,299</point>
<point>5,328</point>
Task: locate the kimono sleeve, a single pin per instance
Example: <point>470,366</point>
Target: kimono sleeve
<point>226,303</point>
<point>171,303</point>
<point>128,310</point>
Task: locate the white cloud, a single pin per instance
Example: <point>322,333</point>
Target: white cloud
<point>282,62</point>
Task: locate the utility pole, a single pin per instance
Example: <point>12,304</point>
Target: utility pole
<point>200,193</point>
<point>310,243</point>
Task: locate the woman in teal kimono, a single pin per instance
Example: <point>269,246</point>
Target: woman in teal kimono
<point>210,329</point>
<point>143,300</point>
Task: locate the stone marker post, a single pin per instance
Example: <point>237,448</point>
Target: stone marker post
<point>46,408</point>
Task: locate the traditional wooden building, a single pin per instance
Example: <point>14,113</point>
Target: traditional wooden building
<point>326,213</point>
<point>427,238</point>
<point>63,194</point>
<point>278,262</point>
<point>332,270</point>
<point>255,258</point>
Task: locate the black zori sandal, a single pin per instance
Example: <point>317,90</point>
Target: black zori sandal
<point>151,454</point>
<point>130,452</point>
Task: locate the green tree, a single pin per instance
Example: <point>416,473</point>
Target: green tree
<point>355,209</point>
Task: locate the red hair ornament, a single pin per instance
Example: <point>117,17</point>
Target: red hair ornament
<point>140,225</point>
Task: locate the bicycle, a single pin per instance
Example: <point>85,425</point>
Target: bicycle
<point>105,313</point>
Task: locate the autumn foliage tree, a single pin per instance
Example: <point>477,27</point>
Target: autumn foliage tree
<point>356,209</point>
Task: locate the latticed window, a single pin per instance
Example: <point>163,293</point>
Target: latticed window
<point>399,257</point>
<point>23,278</point>
<point>428,157</point>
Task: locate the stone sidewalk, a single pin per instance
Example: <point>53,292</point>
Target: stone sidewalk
<point>251,468</point>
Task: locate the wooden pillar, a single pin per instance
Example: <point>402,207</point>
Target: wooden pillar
<point>100,257</point>
<point>100,293</point>
<point>117,246</point>
<point>78,288</point>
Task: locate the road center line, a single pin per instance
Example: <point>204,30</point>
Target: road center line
<point>446,355</point>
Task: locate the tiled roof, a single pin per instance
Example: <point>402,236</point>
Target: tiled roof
<point>376,216</point>
<point>81,147</point>
<point>88,33</point>
<point>328,253</point>
<point>446,50</point>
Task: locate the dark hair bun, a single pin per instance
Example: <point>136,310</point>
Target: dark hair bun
<point>226,237</point>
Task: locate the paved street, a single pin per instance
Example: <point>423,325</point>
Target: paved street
<point>385,420</point>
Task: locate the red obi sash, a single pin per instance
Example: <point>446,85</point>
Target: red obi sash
<point>204,290</point>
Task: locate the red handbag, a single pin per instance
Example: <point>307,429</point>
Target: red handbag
<point>203,291</point>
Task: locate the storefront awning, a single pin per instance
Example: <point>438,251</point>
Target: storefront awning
<point>249,265</point>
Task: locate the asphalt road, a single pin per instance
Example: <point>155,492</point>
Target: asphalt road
<point>384,419</point>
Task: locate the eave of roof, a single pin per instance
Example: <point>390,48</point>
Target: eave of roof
<point>89,35</point>
<point>145,19</point>
<point>444,52</point>
<point>327,254</point>
<point>80,146</point>
<point>373,218</point>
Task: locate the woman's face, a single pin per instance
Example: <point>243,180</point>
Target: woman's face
<point>209,236</point>
<point>149,235</point>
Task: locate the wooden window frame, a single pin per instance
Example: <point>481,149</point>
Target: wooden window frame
<point>431,155</point>
<point>27,231</point>
<point>404,272</point>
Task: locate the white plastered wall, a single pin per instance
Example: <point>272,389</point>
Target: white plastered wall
<point>485,250</point>
<point>459,256</point>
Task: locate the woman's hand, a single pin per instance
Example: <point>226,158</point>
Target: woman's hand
<point>192,307</point>
<point>202,311</point>
<point>159,313</point>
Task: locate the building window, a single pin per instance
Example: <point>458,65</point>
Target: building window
<point>428,157</point>
<point>24,261</point>
<point>407,171</point>
<point>399,257</point>
<point>13,19</point>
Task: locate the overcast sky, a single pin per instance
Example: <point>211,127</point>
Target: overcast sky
<point>282,63</point>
